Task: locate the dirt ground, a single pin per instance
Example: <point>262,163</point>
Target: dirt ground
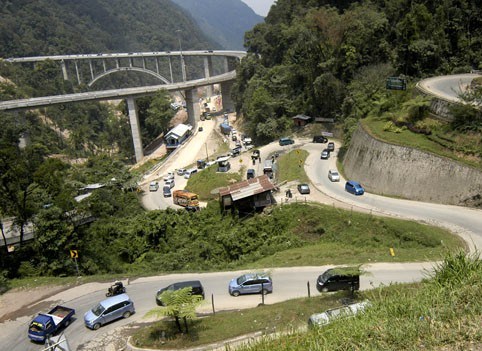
<point>22,302</point>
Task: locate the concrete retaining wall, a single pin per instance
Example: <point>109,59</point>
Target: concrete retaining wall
<point>405,172</point>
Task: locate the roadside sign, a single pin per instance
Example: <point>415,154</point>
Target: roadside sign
<point>396,83</point>
<point>327,134</point>
<point>74,254</point>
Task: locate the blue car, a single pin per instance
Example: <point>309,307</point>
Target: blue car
<point>286,141</point>
<point>354,188</point>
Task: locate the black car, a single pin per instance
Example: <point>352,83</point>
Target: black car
<point>250,173</point>
<point>304,188</point>
<point>335,279</point>
<point>236,151</point>
<point>197,289</point>
<point>320,139</point>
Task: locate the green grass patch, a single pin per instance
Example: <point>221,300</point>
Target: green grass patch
<point>404,137</point>
<point>146,166</point>
<point>333,236</point>
<point>285,316</point>
<point>203,183</point>
<point>290,166</point>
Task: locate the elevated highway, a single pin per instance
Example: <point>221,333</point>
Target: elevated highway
<point>225,79</point>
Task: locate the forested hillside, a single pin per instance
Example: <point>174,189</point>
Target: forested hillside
<point>45,27</point>
<point>331,58</point>
<point>320,58</point>
<point>224,21</point>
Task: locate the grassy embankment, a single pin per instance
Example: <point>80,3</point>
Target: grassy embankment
<point>441,313</point>
<point>462,147</point>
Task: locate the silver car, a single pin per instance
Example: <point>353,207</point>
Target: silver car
<point>251,283</point>
<point>333,175</point>
<point>110,309</point>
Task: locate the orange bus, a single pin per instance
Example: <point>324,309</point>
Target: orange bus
<point>185,199</point>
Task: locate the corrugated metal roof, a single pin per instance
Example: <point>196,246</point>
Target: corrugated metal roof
<point>248,188</point>
<point>178,131</point>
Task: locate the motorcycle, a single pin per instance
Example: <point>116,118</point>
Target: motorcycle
<point>116,289</point>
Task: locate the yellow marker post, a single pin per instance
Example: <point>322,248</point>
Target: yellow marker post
<point>392,252</point>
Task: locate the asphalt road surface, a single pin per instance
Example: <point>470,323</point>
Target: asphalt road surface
<point>288,283</point>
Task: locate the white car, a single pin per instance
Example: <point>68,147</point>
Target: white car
<point>320,319</point>
<point>168,176</point>
<point>333,175</point>
<point>181,171</point>
<point>153,186</point>
<point>170,183</point>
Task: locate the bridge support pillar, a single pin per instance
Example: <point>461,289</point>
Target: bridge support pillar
<point>135,128</point>
<point>208,72</point>
<point>228,103</point>
<point>192,105</point>
<point>64,70</point>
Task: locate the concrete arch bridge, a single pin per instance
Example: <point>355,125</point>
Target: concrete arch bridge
<point>161,65</point>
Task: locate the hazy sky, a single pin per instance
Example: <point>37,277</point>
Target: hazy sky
<point>261,7</point>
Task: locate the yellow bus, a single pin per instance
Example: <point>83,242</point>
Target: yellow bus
<point>186,199</point>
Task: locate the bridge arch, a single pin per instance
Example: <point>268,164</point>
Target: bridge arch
<point>120,69</point>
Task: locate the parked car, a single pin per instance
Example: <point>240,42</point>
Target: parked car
<point>354,188</point>
<point>320,139</point>
<point>325,154</point>
<point>304,188</point>
<point>108,310</point>
<point>331,146</point>
<point>320,319</point>
<point>251,283</point>
<point>286,141</point>
<point>169,175</point>
<point>166,191</point>
<point>189,173</point>
<point>250,173</point>
<point>334,279</point>
<point>181,171</point>
<point>333,175</point>
<point>170,183</point>
<point>153,186</point>
<point>196,286</point>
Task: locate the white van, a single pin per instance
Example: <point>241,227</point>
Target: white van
<point>190,172</point>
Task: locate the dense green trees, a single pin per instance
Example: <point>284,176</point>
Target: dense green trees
<point>35,28</point>
<point>310,56</point>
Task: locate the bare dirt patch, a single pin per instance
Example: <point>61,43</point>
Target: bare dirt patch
<point>25,301</point>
